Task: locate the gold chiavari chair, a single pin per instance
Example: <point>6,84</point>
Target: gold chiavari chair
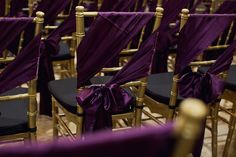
<point>18,106</point>
<point>173,99</point>
<point>77,118</point>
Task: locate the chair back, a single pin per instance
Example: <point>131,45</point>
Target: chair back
<point>203,27</point>
<point>98,58</point>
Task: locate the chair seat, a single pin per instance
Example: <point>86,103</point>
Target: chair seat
<point>13,114</point>
<point>64,53</point>
<point>231,79</point>
<point>64,91</point>
<point>159,87</point>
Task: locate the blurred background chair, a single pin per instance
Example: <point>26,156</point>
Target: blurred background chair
<point>172,140</point>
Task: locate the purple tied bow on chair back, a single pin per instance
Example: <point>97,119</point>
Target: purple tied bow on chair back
<point>100,101</point>
<point>199,32</point>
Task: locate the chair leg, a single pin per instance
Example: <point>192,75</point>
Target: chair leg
<point>214,130</point>
<point>171,114</point>
<point>138,117</point>
<point>54,119</point>
<point>231,132</point>
<point>79,127</point>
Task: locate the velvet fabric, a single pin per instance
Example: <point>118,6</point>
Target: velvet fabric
<point>6,27</point>
<point>110,98</point>
<point>24,68</point>
<point>150,142</point>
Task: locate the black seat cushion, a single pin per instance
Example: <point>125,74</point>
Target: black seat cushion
<point>13,114</point>
<point>231,79</point>
<point>159,87</point>
<point>64,53</point>
<point>64,91</point>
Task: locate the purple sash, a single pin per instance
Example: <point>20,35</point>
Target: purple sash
<point>7,25</point>
<point>24,68</point>
<point>199,32</point>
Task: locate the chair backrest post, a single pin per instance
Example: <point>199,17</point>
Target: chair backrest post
<point>32,110</point>
<point>174,89</point>
<point>184,17</point>
<point>30,6</point>
<point>159,15</point>
<point>159,3</point>
<point>7,7</point>
<point>80,32</point>
<point>213,6</point>
<point>39,20</point>
<point>188,125</point>
<point>142,88</point>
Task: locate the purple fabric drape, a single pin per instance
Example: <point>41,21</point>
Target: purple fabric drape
<point>16,7</point>
<point>51,9</point>
<point>119,29</point>
<point>172,8</point>
<point>24,68</point>
<point>200,33</point>
<point>2,8</point>
<point>228,7</point>
<point>122,5</point>
<point>150,142</point>
<point>7,25</point>
<point>51,47</point>
<point>100,101</point>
